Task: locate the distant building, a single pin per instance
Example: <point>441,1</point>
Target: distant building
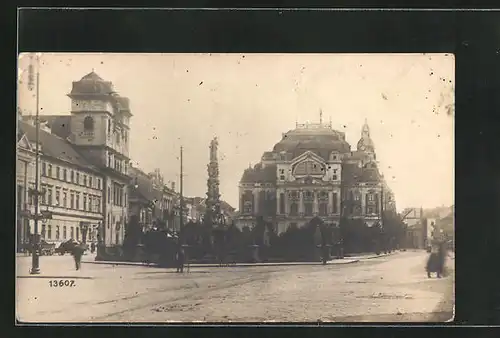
<point>170,211</point>
<point>425,225</point>
<point>151,201</point>
<point>416,234</point>
<point>196,206</point>
<point>312,172</point>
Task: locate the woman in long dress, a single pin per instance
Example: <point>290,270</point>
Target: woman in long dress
<point>435,263</point>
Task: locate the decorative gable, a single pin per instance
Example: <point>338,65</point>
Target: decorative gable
<point>308,164</point>
<point>24,143</point>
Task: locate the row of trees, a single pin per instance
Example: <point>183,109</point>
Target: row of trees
<point>297,243</point>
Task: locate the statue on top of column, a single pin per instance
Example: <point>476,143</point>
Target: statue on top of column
<point>214,144</point>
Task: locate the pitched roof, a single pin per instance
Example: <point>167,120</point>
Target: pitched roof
<point>55,146</point>
<point>369,175</point>
<point>351,173</point>
<point>142,186</point>
<point>259,174</point>
<point>226,206</point>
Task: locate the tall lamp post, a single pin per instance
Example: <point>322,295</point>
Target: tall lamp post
<point>34,83</point>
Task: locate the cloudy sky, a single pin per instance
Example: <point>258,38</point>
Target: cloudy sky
<point>248,100</point>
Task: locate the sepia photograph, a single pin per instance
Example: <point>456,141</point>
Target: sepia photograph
<point>235,188</point>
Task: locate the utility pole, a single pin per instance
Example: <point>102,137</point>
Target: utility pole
<point>384,234</point>
<point>181,201</point>
<point>35,263</point>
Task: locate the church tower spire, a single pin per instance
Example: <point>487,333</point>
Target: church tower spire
<point>365,131</point>
<point>365,143</point>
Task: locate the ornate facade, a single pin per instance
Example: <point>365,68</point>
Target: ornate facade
<point>313,172</point>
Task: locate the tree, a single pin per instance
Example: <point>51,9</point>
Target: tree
<point>395,229</point>
<point>356,235</point>
<point>133,236</point>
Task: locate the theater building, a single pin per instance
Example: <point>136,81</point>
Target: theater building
<point>312,172</point>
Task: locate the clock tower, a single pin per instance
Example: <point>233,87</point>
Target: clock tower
<point>100,131</point>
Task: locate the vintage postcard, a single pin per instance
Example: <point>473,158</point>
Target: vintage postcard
<point>235,188</point>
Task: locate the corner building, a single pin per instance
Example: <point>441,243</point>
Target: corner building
<point>100,130</point>
<point>84,164</point>
<point>312,172</point>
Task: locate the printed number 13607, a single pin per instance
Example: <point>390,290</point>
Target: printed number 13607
<point>62,283</point>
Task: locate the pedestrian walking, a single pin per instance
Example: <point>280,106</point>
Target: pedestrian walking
<point>77,253</point>
<point>180,257</point>
<point>436,260</point>
<point>92,247</point>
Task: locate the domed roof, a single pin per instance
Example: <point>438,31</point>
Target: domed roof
<point>92,76</point>
<point>321,141</point>
<point>92,84</point>
<point>365,144</point>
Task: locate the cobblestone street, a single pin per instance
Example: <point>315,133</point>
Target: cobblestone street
<point>391,288</point>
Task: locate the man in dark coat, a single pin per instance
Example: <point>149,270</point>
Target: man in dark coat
<point>77,253</point>
<point>180,260</point>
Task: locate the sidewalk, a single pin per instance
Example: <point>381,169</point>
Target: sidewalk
<point>208,265</point>
<point>55,271</point>
<point>371,256</point>
<point>90,260</point>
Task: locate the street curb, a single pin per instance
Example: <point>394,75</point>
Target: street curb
<point>55,277</point>
<point>235,266</point>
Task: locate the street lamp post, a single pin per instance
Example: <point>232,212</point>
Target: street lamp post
<point>35,263</point>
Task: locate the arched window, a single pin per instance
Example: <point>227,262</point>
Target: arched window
<point>57,232</point>
<point>49,231</point>
<point>88,124</point>
<point>64,232</point>
<point>294,209</point>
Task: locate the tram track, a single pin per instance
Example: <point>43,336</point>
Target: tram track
<point>192,292</point>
